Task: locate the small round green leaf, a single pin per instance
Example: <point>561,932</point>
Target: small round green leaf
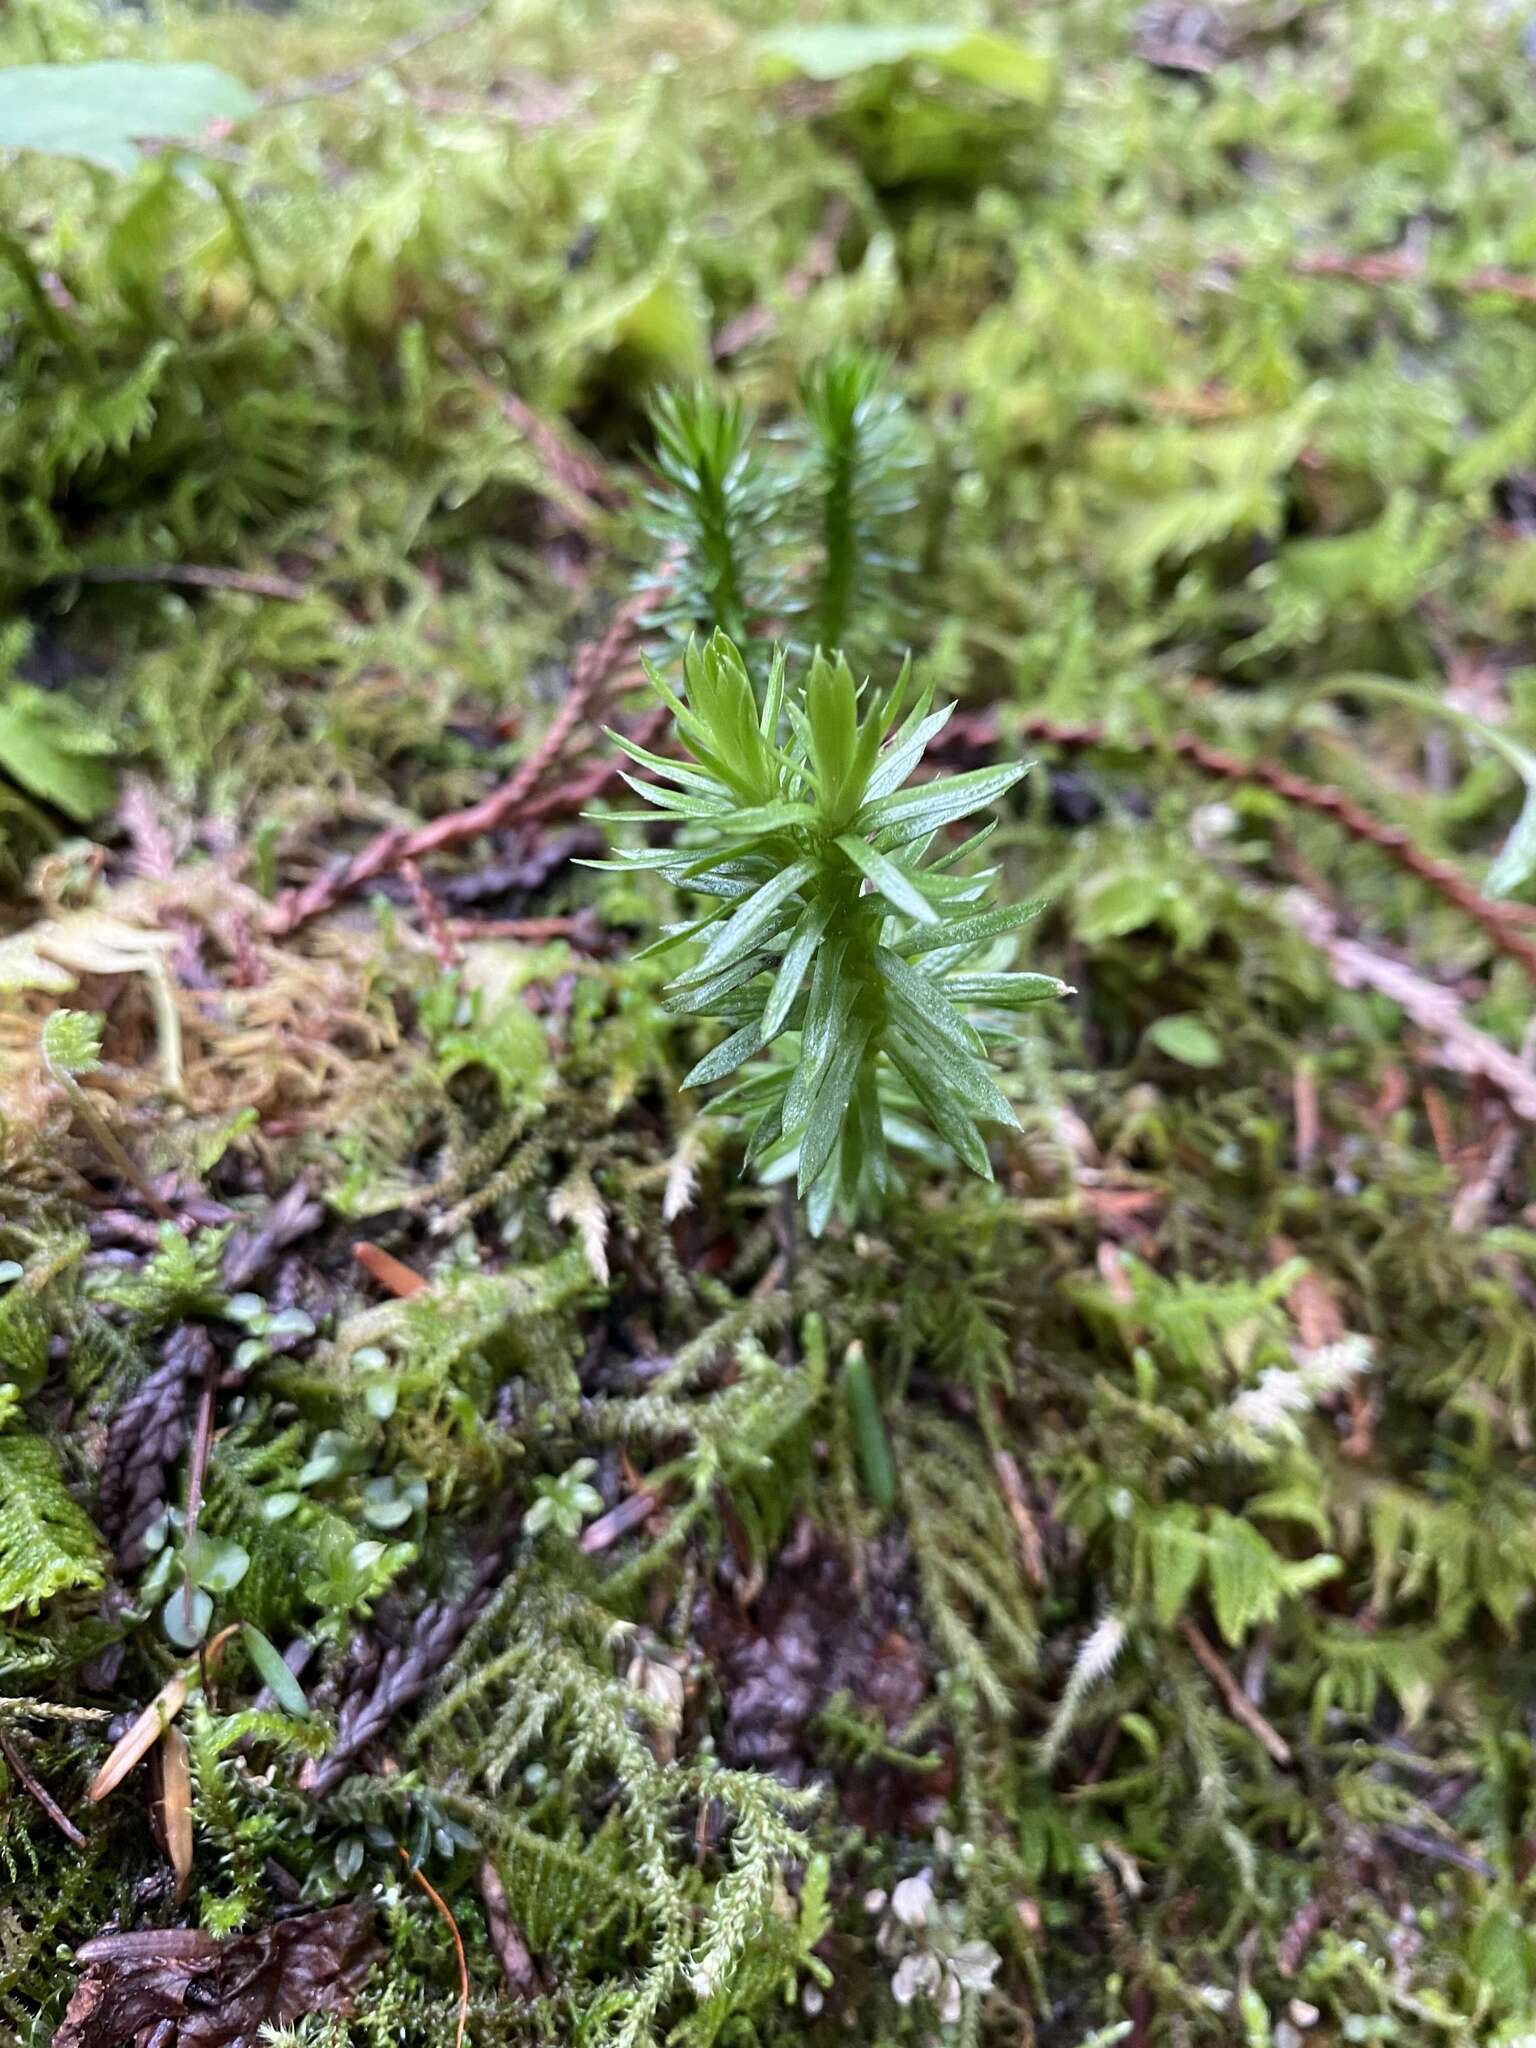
<point>1186,1039</point>
<point>185,1617</point>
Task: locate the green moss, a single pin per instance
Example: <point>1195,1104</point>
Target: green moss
<point>1194,1544</point>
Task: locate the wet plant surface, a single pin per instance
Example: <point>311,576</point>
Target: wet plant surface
<point>780,1485</point>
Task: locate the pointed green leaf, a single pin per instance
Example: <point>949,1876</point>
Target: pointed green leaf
<point>967,932</point>
<point>831,707</point>
<point>825,1123</point>
<point>830,1004</point>
<point>698,999</point>
<point>797,958</point>
<point>893,767</point>
<point>898,888</point>
<point>688,773</point>
<point>1004,991</point>
<point>927,999</point>
<point>750,924</point>
<point>731,1053</point>
<point>947,1116</point>
<point>910,813</point>
<point>274,1673</point>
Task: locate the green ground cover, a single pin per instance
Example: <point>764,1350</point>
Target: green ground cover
<point>1087,1603</point>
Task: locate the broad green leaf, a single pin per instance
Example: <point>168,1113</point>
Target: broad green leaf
<point>71,1041</point>
<point>898,888</point>
<point>103,111</point>
<point>1176,1553</point>
<point>1187,1039</point>
<point>48,748</point>
<point>1119,904</point>
<point>186,1615</point>
<point>830,50</point>
<point>216,1563</point>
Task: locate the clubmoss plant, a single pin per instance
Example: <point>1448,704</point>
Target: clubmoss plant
<point>846,934</point>
<point>795,531</point>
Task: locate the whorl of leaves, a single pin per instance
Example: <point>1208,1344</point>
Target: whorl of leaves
<point>842,924</point>
<point>795,529</point>
<point>712,513</point>
<point>862,459</point>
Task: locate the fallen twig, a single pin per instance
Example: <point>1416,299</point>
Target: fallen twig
<point>40,1793</point>
<point>392,53</point>
<point>392,1274</point>
<point>1461,1047</point>
<point>1499,922</point>
<point>512,1952</point>
<point>593,667</point>
<point>579,480</point>
<point>428,910</point>
<point>818,262</point>
<point>191,575</point>
<point>197,1470</point>
<point>1396,266</point>
<point>581,929</point>
<point>1238,1703</point>
<point>458,1943</point>
<point>152,1722</point>
<point>609,1528</point>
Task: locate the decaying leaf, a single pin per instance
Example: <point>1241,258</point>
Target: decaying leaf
<point>182,1988</point>
<point>577,1201</point>
<point>682,1176</point>
<point>52,955</point>
<point>171,1803</point>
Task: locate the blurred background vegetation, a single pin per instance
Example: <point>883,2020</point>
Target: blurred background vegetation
<point>323,446</point>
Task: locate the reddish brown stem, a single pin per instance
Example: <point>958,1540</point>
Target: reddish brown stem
<point>42,1795</point>
<point>1497,921</point>
<point>444,946</point>
<point>594,666</point>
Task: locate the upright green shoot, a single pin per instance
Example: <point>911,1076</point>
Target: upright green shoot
<point>846,937</point>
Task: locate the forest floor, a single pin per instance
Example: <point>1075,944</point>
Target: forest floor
<point>565,1600</point>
